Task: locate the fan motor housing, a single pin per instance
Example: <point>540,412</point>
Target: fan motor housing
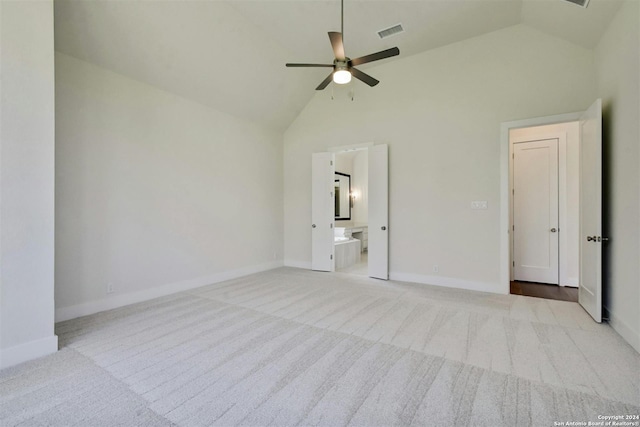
<point>341,65</point>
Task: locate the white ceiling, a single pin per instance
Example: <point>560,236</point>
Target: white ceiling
<point>583,27</point>
<point>230,54</point>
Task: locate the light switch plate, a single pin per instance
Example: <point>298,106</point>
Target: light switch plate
<point>479,204</point>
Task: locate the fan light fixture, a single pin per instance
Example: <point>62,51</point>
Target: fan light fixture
<point>341,77</point>
<point>345,67</point>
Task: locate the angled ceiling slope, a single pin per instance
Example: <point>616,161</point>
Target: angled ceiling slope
<point>229,55</point>
<point>201,50</point>
<point>560,18</point>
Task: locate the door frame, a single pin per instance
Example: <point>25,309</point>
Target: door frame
<point>505,199</point>
<point>351,147</point>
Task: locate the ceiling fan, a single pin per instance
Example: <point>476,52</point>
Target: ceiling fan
<point>343,66</point>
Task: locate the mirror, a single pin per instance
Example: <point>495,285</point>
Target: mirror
<point>342,196</point>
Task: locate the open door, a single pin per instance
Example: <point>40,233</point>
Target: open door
<point>379,212</point>
<point>322,211</point>
<point>590,292</point>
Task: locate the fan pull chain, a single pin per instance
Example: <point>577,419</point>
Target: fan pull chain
<point>332,98</point>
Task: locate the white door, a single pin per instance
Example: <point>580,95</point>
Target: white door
<point>379,212</point>
<point>590,292</point>
<point>535,211</point>
<point>322,211</point>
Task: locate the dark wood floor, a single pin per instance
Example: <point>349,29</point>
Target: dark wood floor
<point>542,290</point>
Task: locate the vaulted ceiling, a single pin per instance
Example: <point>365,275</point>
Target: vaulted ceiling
<point>230,55</point>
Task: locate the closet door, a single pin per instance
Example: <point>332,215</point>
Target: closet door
<point>535,211</point>
<point>322,211</point>
<point>379,212</point>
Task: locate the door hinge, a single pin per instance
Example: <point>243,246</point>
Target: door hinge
<point>513,155</point>
<point>513,191</point>
<point>330,256</point>
<point>330,162</point>
<point>513,227</point>
<point>513,263</point>
<point>330,225</point>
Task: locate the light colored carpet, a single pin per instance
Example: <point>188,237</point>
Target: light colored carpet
<point>294,347</point>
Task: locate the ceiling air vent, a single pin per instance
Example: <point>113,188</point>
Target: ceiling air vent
<point>582,3</point>
<point>396,29</point>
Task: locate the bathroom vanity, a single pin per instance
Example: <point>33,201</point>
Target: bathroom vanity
<point>360,232</point>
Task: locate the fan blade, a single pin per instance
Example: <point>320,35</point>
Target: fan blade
<point>364,77</point>
<point>325,82</point>
<point>336,44</point>
<point>375,56</point>
<point>309,65</point>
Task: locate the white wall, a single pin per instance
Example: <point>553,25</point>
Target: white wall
<point>26,181</point>
<point>156,193</point>
<point>569,193</point>
<point>355,164</point>
<point>440,113</point>
<point>618,85</point>
<point>344,163</point>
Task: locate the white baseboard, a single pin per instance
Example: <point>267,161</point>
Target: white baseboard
<point>28,351</point>
<point>624,330</point>
<point>297,264</point>
<point>448,282</point>
<point>116,301</point>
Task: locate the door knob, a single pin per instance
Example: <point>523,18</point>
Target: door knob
<point>553,230</point>
<point>383,228</point>
<point>591,239</point>
<point>313,226</point>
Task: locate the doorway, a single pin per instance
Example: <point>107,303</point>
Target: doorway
<point>352,211</point>
<point>544,207</point>
<point>349,212</point>
<point>589,237</point>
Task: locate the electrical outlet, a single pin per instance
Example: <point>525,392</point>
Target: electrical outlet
<point>436,269</point>
<point>110,288</point>
<point>479,204</point>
